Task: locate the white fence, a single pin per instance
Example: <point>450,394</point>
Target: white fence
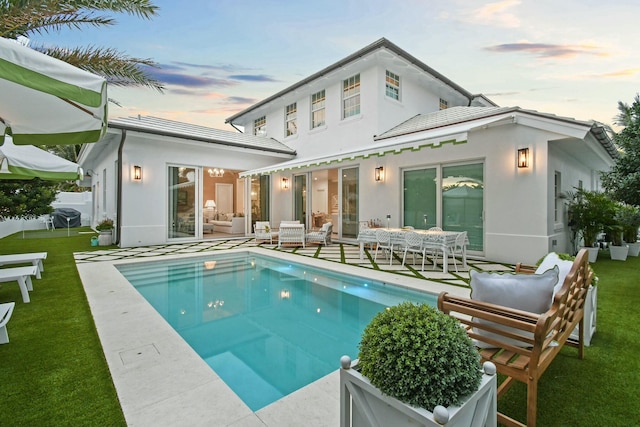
<point>82,202</point>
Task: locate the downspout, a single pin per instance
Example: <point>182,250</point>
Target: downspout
<point>119,194</point>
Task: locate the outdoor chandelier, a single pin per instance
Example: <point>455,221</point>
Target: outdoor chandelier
<point>216,173</point>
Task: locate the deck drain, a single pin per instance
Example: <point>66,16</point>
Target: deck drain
<point>145,353</point>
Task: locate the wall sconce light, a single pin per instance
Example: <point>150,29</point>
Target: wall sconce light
<point>137,173</point>
<point>285,183</point>
<point>523,158</point>
<point>379,174</point>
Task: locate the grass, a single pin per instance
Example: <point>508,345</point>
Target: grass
<point>54,372</point>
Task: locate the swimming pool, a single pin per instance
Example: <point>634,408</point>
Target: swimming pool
<point>266,327</point>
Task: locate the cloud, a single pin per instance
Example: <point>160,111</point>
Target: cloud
<point>240,100</point>
<point>496,14</point>
<point>628,72</point>
<point>174,75</point>
<point>253,78</point>
<point>547,50</point>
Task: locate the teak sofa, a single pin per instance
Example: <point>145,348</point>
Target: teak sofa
<point>541,336</point>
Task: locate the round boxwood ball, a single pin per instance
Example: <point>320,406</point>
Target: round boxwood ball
<point>420,356</point>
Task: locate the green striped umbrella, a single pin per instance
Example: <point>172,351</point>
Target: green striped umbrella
<point>28,162</point>
<point>45,101</point>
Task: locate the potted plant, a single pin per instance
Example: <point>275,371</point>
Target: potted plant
<point>589,212</point>
<point>416,365</point>
<point>105,228</point>
<point>615,228</point>
<point>629,218</point>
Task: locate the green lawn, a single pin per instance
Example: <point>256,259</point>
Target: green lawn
<point>53,371</point>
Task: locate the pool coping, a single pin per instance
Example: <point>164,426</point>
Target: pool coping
<point>161,381</point>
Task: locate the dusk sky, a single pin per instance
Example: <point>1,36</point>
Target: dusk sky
<point>574,58</point>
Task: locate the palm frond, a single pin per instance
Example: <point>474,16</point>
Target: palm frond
<point>119,68</point>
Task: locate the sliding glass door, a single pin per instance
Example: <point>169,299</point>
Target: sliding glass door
<point>182,192</point>
<point>450,197</point>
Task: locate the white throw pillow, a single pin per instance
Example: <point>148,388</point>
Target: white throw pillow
<point>527,292</point>
<point>564,266</point>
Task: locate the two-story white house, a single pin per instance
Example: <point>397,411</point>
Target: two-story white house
<point>378,136</point>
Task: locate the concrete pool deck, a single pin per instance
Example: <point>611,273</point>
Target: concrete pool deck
<point>161,381</point>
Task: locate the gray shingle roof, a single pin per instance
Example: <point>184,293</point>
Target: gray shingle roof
<point>442,118</point>
<point>158,126</point>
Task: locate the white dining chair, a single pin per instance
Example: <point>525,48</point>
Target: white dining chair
<point>414,243</point>
<point>383,238</point>
<point>458,247</point>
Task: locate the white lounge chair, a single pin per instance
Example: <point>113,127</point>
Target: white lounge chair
<point>291,234</point>
<point>22,275</point>
<point>5,314</point>
<point>321,236</point>
<point>263,232</point>
<point>35,258</point>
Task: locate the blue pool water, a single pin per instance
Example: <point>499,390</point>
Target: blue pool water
<point>266,327</point>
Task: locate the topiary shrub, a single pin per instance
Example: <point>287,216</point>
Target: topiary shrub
<point>420,356</point>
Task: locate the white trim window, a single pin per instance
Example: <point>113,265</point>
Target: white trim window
<point>291,119</point>
<point>260,126</point>
<point>351,96</point>
<point>392,85</point>
<point>444,104</point>
<point>318,109</point>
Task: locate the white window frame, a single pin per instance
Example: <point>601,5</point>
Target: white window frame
<point>392,85</point>
<point>260,126</point>
<point>291,119</point>
<point>318,102</point>
<point>351,96</point>
<point>444,104</point>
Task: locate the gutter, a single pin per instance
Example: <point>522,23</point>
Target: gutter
<point>119,194</point>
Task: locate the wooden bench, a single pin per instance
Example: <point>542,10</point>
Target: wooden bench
<point>545,334</point>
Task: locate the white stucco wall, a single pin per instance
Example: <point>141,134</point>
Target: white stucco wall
<point>144,218</point>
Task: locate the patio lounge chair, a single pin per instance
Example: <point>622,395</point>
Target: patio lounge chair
<point>22,275</point>
<point>321,236</point>
<point>291,234</point>
<point>263,232</point>
<point>5,314</point>
<point>34,258</point>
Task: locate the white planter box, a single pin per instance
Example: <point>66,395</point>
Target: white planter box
<point>634,248</point>
<point>593,254</point>
<point>619,253</point>
<point>363,405</point>
<point>590,311</point>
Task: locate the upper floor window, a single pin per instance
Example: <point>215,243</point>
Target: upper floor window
<point>444,104</point>
<point>260,126</point>
<point>317,109</point>
<point>290,118</point>
<point>392,85</point>
<point>351,96</point>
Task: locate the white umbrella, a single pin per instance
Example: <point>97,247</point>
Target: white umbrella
<point>28,162</point>
<point>45,101</point>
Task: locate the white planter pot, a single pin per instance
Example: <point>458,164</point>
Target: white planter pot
<point>363,405</point>
<point>105,238</point>
<point>593,253</point>
<point>590,312</point>
<point>619,253</point>
<point>634,248</point>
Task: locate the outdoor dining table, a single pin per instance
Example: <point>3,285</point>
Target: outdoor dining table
<point>447,241</point>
